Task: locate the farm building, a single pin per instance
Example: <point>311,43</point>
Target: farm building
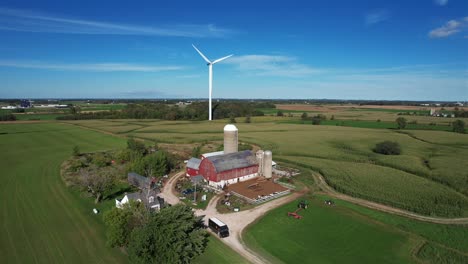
<point>146,195</point>
<point>149,199</point>
<point>193,166</point>
<point>229,168</point>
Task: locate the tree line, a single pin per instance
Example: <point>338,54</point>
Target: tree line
<point>159,110</point>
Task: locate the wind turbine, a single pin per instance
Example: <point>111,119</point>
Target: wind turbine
<point>210,76</point>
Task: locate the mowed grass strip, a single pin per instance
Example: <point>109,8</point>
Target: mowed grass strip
<point>42,221</point>
<point>328,235</point>
<point>452,237</point>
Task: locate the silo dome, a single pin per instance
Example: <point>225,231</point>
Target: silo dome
<point>230,127</point>
<point>230,139</point>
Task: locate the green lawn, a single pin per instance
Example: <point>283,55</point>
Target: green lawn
<point>328,235</point>
<point>217,252</point>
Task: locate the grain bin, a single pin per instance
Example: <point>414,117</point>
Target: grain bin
<point>230,139</point>
<point>267,163</point>
<point>260,155</point>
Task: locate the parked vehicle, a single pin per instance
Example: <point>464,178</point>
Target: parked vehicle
<point>187,191</point>
<point>220,228</point>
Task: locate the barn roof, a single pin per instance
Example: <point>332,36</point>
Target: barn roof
<point>236,160</point>
<point>193,163</point>
<point>211,154</point>
<point>139,181</point>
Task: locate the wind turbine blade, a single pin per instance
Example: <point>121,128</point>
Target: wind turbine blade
<point>223,58</point>
<point>201,54</point>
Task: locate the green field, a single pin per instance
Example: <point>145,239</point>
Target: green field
<point>348,233</point>
<point>372,124</point>
<point>328,235</point>
<point>25,117</point>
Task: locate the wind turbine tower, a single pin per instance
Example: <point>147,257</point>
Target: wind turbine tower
<point>210,76</point>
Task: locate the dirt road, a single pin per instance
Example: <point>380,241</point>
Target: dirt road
<point>238,221</point>
<point>168,191</point>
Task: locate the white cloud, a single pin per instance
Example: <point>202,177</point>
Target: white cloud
<point>271,65</point>
<point>441,2</point>
<point>94,67</point>
<point>28,21</point>
<point>376,16</point>
<point>450,28</point>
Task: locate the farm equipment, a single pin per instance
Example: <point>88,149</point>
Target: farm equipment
<point>303,204</point>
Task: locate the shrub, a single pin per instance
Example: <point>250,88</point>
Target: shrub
<point>458,126</point>
<point>401,122</point>
<point>387,148</point>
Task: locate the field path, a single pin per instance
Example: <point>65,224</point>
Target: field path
<point>385,208</point>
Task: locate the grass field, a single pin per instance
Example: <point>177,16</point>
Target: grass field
<point>328,235</point>
<point>348,233</point>
<point>22,117</point>
<point>217,252</point>
<point>372,124</point>
<point>42,221</point>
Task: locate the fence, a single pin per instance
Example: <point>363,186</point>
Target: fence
<point>287,185</point>
<point>262,199</point>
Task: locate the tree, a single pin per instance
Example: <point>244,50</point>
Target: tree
<point>279,113</point>
<point>74,110</point>
<point>401,122</point>
<point>196,151</point>
<point>304,116</point>
<point>7,117</point>
<point>76,151</point>
<point>316,120</point>
<point>121,222</point>
<point>458,126</point>
<point>96,183</point>
<point>136,146</point>
<point>156,164</point>
<point>387,148</point>
<point>100,160</point>
<point>174,235</point>
<point>247,119</point>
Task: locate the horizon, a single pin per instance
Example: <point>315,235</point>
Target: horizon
<point>365,50</point>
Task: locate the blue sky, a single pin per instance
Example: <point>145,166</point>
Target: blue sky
<point>393,50</point>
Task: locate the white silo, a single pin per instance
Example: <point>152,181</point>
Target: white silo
<point>260,155</point>
<point>230,139</point>
<point>267,163</point>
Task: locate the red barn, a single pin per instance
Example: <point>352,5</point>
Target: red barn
<point>192,168</point>
<point>229,168</point>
